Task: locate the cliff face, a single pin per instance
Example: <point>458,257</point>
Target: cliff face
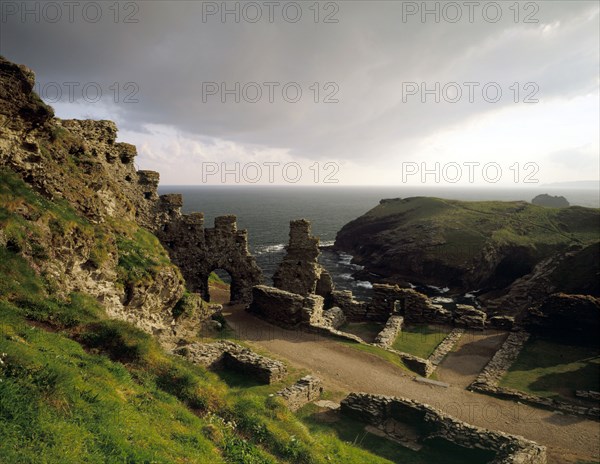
<point>73,204</point>
<point>470,245</point>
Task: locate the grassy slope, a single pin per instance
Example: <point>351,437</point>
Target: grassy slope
<point>468,225</point>
<point>76,386</point>
<point>420,340</point>
<point>550,369</point>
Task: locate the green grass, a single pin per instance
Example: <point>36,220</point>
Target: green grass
<point>76,387</point>
<point>420,340</point>
<point>340,435</point>
<point>59,403</point>
<point>140,256</point>
<point>365,330</point>
<point>467,226</point>
<point>213,277</point>
<point>377,351</point>
<point>550,369</point>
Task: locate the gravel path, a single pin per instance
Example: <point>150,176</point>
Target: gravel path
<point>342,368</point>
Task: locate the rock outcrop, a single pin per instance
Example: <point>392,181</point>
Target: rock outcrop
<point>99,206</point>
<point>550,201</point>
<point>465,245</point>
<point>566,317</point>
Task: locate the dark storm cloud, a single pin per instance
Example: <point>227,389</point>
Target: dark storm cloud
<point>368,54</point>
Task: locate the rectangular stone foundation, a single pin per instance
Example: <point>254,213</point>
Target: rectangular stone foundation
<point>431,423</point>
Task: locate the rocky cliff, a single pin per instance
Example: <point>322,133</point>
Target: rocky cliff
<point>473,245</point>
<point>74,206</point>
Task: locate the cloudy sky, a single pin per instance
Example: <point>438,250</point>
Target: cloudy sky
<point>359,92</point>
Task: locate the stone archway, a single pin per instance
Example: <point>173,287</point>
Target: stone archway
<point>198,251</point>
<point>237,288</point>
<point>219,287</point>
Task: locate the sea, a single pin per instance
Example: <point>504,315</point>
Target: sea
<point>266,211</point>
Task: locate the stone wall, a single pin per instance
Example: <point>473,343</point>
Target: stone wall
<point>199,251</point>
<point>304,391</point>
<point>469,316</point>
<point>229,355</point>
<point>414,306</point>
<point>286,309</point>
<point>300,272</point>
<point>334,317</point>
<point>354,310</point>
<point>445,347</point>
<point>487,381</point>
<point>387,336</point>
<point>431,423</point>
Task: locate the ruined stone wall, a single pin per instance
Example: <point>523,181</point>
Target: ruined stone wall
<point>445,347</point>
<point>284,308</point>
<point>354,310</point>
<point>387,336</point>
<point>229,355</point>
<point>432,423</point>
<point>304,391</point>
<point>300,272</point>
<point>199,251</point>
<point>417,308</point>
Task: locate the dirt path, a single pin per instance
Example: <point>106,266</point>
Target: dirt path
<point>471,354</point>
<point>567,438</point>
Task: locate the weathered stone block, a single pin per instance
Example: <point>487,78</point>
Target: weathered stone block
<point>304,391</point>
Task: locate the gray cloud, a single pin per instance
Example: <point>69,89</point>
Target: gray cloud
<point>369,53</point>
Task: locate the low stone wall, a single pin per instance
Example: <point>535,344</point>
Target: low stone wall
<point>502,360</point>
<point>354,310</point>
<point>387,336</point>
<point>469,316</point>
<point>431,423</point>
<point>418,365</point>
<point>229,355</point>
<point>445,347</point>
<point>304,391</point>
<point>286,309</point>
<point>588,394</point>
<point>423,367</point>
<point>487,381</point>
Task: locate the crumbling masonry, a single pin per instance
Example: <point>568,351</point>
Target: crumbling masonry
<point>199,251</point>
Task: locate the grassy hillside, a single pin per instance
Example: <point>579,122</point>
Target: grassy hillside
<point>77,386</point>
<point>464,243</point>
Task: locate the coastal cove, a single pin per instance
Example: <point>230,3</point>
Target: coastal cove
<point>265,211</point>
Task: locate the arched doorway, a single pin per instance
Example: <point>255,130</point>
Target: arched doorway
<point>219,286</point>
